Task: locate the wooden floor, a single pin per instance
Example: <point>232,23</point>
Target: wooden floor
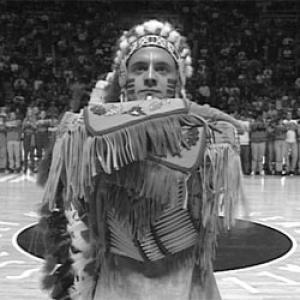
<point>273,201</point>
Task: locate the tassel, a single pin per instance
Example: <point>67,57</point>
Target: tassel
<point>54,174</point>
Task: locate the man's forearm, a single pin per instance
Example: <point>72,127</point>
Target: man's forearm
<point>214,114</point>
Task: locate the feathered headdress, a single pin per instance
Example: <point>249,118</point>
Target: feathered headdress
<point>156,34</point>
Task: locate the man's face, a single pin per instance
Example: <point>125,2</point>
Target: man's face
<point>151,71</point>
<point>43,114</point>
<point>29,111</point>
<point>13,116</point>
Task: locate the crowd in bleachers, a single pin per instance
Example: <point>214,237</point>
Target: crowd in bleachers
<point>52,54</point>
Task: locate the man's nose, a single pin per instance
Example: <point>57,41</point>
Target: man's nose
<point>150,82</point>
<point>150,79</point>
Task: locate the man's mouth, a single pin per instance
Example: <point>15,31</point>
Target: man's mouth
<point>149,93</point>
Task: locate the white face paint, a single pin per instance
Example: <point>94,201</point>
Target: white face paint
<point>149,73</point>
<point>151,65</point>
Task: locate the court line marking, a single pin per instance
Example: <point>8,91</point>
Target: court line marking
<point>10,262</point>
<point>276,260</point>
<point>279,278</point>
<point>273,261</point>
<point>9,223</point>
<point>4,229</point>
<point>24,274</point>
<point>271,218</point>
<point>3,253</point>
<point>18,248</point>
<point>31,214</point>
<point>293,224</point>
<point>8,177</point>
<point>290,268</point>
<point>18,179</point>
<point>242,284</point>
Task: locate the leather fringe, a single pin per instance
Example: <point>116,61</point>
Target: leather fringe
<point>111,172</point>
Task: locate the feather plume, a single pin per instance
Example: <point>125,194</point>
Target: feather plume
<point>140,30</point>
<point>184,52</point>
<point>124,45</point>
<point>152,25</point>
<point>165,30</point>
<point>173,36</point>
<point>188,60</point>
<point>189,71</point>
<point>131,39</point>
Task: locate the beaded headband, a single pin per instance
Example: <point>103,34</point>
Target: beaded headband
<point>155,41</point>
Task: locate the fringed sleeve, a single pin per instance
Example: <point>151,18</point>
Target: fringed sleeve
<point>222,155</point>
<point>222,189</point>
<point>62,229</point>
<point>213,114</point>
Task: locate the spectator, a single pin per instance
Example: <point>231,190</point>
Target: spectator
<point>42,137</point>
<point>245,150</point>
<point>52,111</point>
<point>291,156</point>
<point>258,138</point>
<point>52,129</point>
<point>3,145</point>
<point>270,151</point>
<point>280,146</point>
<point>14,131</point>
<point>29,127</point>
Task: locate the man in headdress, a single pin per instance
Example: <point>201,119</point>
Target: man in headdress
<point>135,186</point>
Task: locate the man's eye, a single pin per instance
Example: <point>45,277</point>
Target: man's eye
<point>140,69</point>
<point>161,69</point>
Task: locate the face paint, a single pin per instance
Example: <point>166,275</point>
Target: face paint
<point>151,65</point>
<point>130,84</point>
<point>152,71</point>
<point>171,87</point>
<point>172,81</point>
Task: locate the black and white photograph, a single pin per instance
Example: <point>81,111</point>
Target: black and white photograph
<point>149,150</point>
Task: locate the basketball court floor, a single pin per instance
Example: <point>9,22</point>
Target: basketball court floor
<point>274,206</point>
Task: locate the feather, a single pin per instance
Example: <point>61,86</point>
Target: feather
<point>140,30</point>
<point>188,60</point>
<point>184,52</point>
<point>152,25</point>
<point>173,36</point>
<point>124,45</point>
<point>189,71</point>
<point>166,30</point>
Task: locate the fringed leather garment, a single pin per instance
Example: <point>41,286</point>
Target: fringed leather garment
<point>131,204</point>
